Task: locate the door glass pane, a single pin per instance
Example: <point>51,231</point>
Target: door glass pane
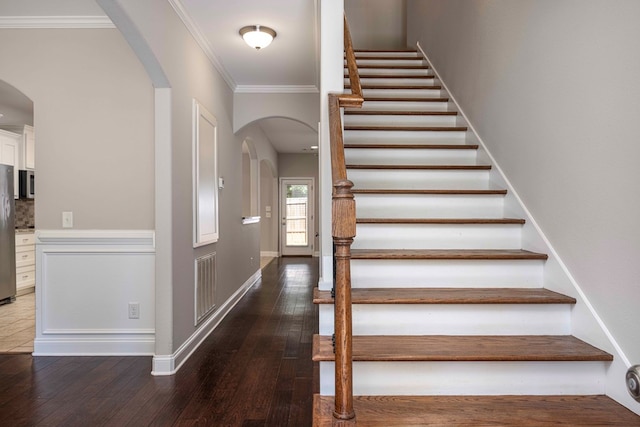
<point>296,214</point>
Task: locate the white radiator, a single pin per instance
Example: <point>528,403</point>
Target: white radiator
<point>205,285</point>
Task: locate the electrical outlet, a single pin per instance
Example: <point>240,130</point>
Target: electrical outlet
<point>134,310</point>
<point>67,219</point>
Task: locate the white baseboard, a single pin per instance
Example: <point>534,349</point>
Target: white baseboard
<point>270,254</point>
<point>117,345</point>
<point>170,364</point>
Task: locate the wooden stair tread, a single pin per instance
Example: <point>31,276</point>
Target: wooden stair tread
<point>421,167</point>
<point>454,221</point>
<point>398,113</point>
<point>408,128</point>
<point>416,146</point>
<point>448,296</point>
<point>405,99</point>
<point>392,87</point>
<point>428,191</point>
<point>463,348</point>
<point>457,411</point>
<point>448,254</point>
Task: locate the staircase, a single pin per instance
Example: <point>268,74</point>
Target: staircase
<point>452,324</point>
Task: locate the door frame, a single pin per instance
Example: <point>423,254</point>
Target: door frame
<point>297,250</point>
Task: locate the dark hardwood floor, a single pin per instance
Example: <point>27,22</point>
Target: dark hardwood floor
<point>255,369</point>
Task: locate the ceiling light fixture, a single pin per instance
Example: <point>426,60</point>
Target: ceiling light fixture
<point>257,36</point>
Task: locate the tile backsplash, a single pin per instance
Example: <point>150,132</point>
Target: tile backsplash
<point>25,217</point>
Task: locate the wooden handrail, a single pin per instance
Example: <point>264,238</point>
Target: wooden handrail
<point>354,78</point>
<point>343,230</point>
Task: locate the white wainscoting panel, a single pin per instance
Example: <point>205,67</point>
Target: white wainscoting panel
<point>85,281</point>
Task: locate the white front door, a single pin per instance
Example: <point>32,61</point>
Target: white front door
<point>296,209</point>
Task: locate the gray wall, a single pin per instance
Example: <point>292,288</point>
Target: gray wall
<point>302,166</point>
<point>192,75</point>
<point>93,115</point>
<point>552,88</point>
<point>377,24</point>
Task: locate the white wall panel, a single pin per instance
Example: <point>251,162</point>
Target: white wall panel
<point>85,281</point>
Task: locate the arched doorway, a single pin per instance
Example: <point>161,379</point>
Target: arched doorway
<point>17,264</point>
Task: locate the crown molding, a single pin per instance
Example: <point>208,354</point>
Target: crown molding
<point>202,42</point>
<point>276,89</point>
<point>25,22</point>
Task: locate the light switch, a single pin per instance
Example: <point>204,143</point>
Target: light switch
<point>267,208</point>
<point>67,219</point>
<point>221,183</point>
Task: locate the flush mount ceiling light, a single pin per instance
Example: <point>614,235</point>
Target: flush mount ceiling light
<point>257,36</point>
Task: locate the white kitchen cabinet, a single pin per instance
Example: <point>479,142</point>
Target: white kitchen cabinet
<point>27,146</point>
<point>25,263</point>
<point>10,154</point>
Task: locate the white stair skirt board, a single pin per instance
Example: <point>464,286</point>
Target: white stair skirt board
<point>377,273</point>
<point>409,156</point>
<point>438,236</point>
<point>392,120</point>
<point>470,378</point>
<point>431,206</point>
<point>454,319</point>
<point>420,179</point>
<point>83,317</point>
<point>170,364</point>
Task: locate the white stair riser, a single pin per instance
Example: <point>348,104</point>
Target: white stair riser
<point>389,62</point>
<point>393,81</point>
<point>409,156</point>
<point>388,54</point>
<point>391,120</point>
<point>394,71</point>
<point>428,137</point>
<point>375,273</point>
<point>402,93</point>
<point>438,236</point>
<point>429,206</point>
<point>454,319</point>
<point>470,378</point>
<point>405,106</point>
<point>419,179</point>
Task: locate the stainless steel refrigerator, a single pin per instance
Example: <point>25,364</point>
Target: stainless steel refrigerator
<point>7,236</point>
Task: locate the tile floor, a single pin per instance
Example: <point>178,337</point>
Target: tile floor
<point>18,325</point>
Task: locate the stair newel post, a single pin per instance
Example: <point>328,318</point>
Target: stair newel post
<point>343,230</point>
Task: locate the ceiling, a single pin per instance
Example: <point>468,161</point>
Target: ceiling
<point>291,60</point>
<point>289,65</point>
